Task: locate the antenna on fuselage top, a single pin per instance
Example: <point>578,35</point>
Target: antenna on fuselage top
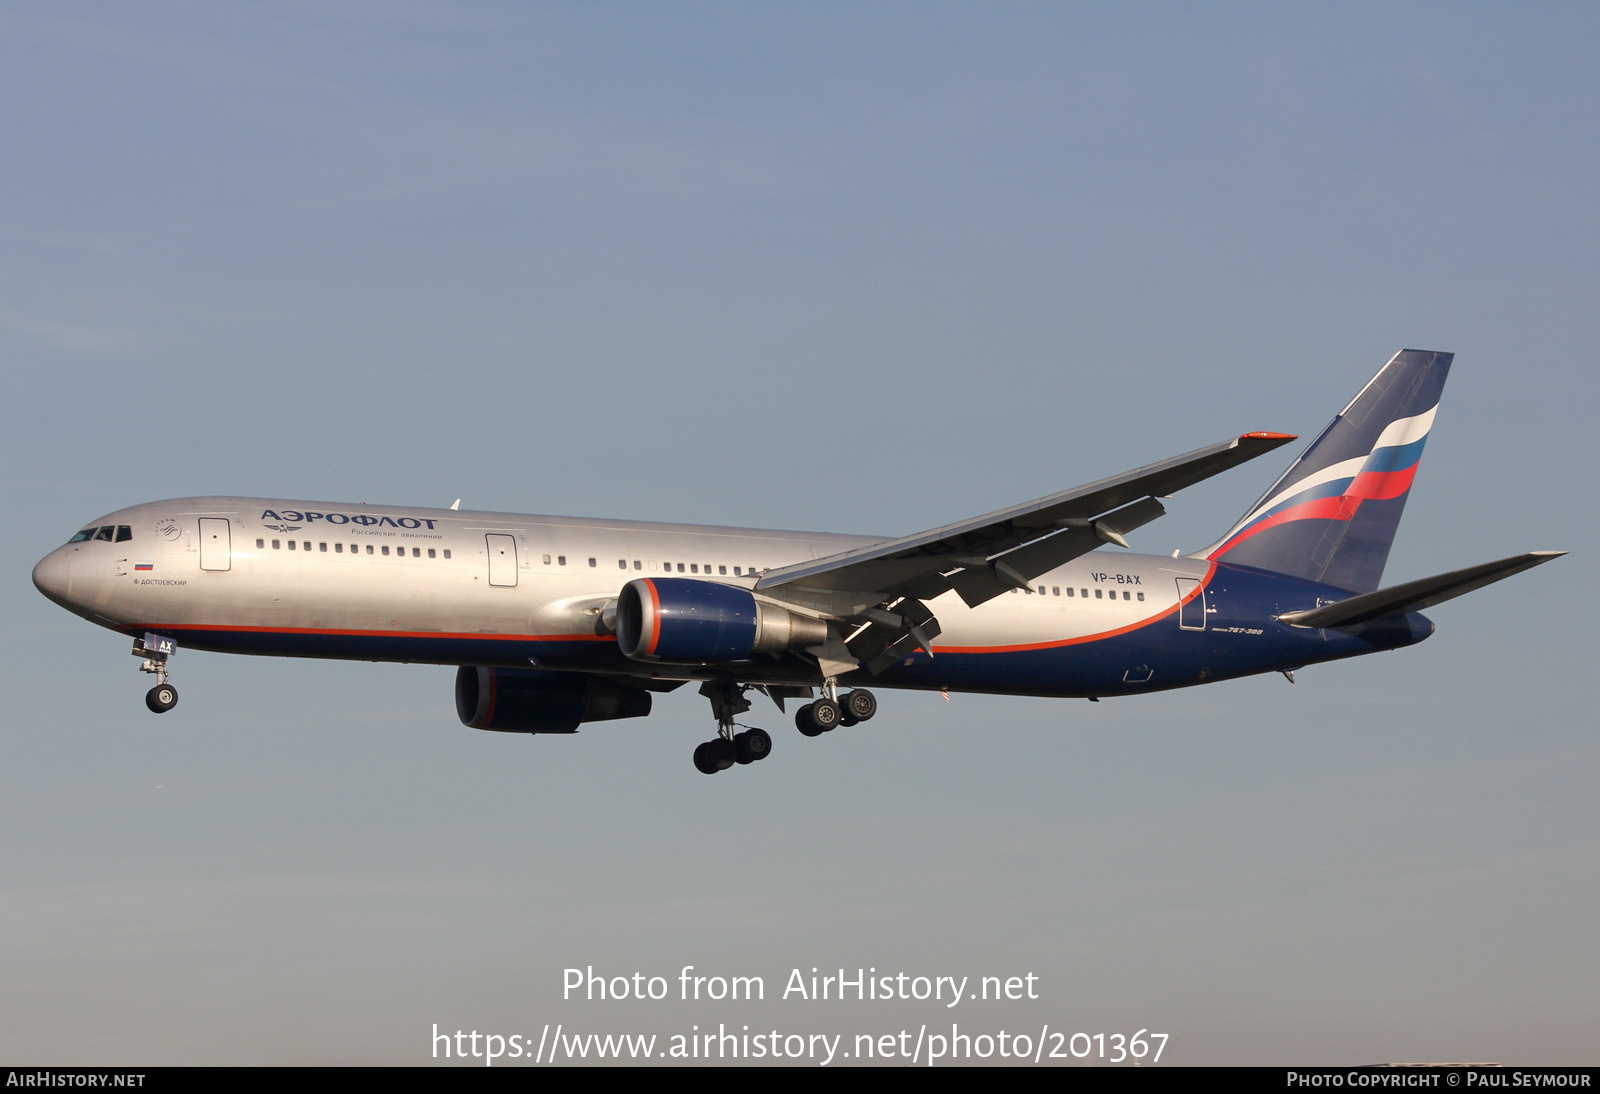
<point>457,504</point>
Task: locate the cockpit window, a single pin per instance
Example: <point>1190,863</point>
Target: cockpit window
<point>124,533</point>
<point>86,534</point>
<point>104,532</point>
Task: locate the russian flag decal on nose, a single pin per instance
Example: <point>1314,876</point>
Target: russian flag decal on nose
<point>144,566</point>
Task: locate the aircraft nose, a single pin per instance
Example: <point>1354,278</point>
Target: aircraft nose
<point>53,576</point>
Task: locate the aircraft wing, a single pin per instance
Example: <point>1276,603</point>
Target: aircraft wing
<point>992,554</point>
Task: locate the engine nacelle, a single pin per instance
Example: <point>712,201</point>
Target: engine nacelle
<point>533,701</point>
<point>687,621</point>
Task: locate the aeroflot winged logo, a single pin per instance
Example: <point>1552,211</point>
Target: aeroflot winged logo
<point>366,520</point>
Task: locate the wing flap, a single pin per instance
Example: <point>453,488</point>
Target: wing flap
<point>981,580</point>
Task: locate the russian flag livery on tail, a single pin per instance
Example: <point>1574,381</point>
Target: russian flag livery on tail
<point>1333,515</point>
<point>557,622</point>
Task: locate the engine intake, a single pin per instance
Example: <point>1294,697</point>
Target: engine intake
<point>684,620</point>
<point>534,701</point>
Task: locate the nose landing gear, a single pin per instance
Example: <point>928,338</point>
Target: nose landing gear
<point>161,698</point>
<point>155,649</point>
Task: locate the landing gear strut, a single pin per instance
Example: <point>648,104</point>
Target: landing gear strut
<point>729,748</point>
<point>155,649</point>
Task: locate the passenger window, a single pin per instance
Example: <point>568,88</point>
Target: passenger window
<point>622,564</point>
<point>447,552</point>
<point>291,545</point>
<point>306,545</point>
<point>416,552</point>
<point>561,560</point>
<point>591,564</point>
<point>1099,594</point>
<point>385,548</point>
<point>1055,590</point>
<point>275,545</point>
<point>369,549</point>
<point>637,565</point>
<point>694,567</point>
<point>1069,590</point>
<point>261,543</point>
<point>323,547</point>
<point>1141,596</point>
<point>722,569</point>
<point>1125,595</point>
<point>431,554</point>
<point>338,548</point>
<point>736,572</point>
<point>680,567</point>
<point>547,560</point>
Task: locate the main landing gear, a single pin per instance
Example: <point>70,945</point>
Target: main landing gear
<point>729,748</point>
<point>155,649</point>
<point>815,719</point>
<point>740,748</point>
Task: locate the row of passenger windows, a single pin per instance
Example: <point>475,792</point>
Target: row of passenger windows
<point>355,548</point>
<point>109,533</point>
<point>683,567</point>
<point>1099,594</point>
<point>123,533</point>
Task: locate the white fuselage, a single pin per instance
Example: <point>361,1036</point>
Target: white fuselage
<point>457,581</point>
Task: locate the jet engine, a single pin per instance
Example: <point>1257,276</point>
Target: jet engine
<point>534,701</point>
<point>684,620</point>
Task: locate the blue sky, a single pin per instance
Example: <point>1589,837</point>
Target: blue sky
<point>858,268</point>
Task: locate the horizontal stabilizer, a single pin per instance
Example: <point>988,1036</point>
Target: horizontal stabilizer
<point>1415,595</point>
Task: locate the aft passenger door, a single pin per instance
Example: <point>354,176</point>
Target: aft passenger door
<point>1191,604</point>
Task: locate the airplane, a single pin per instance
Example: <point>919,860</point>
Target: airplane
<point>555,622</point>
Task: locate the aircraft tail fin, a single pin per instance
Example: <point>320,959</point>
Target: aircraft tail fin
<point>1332,516</point>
